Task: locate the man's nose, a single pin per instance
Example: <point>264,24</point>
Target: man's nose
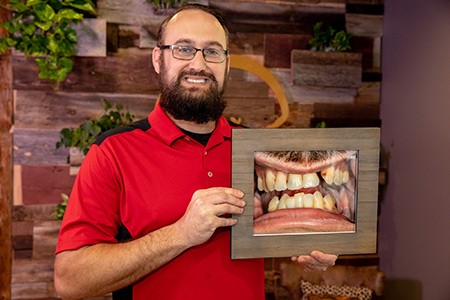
<point>198,62</point>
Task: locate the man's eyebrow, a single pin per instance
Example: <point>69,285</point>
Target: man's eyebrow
<point>189,41</point>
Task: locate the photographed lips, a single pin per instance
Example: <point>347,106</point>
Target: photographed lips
<point>304,191</point>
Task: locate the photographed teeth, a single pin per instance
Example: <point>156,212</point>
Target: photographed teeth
<point>308,201</point>
<point>318,200</point>
<point>345,176</point>
<point>329,202</point>
<point>270,180</point>
<point>273,204</point>
<point>302,200</point>
<point>290,202</point>
<point>282,204</point>
<point>261,185</point>
<point>310,180</point>
<point>294,182</point>
<point>281,182</point>
<point>328,175</point>
<point>298,199</point>
<point>335,176</point>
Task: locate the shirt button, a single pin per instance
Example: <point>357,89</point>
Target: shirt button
<point>210,174</point>
<point>206,152</point>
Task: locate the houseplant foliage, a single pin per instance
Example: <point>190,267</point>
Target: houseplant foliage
<point>327,63</point>
<point>61,207</point>
<point>42,29</point>
<point>329,39</point>
<point>83,136</point>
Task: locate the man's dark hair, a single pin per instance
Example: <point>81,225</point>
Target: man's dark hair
<point>212,11</point>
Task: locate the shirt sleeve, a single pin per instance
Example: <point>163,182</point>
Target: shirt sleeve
<point>93,211</point>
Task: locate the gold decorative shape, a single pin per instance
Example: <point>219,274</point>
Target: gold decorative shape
<point>247,64</point>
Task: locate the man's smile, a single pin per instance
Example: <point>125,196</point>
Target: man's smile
<point>196,80</point>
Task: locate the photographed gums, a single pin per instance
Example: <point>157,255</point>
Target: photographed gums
<point>298,192</point>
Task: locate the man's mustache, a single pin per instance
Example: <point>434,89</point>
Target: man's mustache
<point>305,156</point>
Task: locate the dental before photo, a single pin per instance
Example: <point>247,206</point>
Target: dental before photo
<point>305,192</point>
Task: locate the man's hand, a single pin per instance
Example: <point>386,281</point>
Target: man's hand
<point>208,210</point>
<point>316,261</point>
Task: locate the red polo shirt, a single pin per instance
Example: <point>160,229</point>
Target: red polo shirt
<point>142,177</point>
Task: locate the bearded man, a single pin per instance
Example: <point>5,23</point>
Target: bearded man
<point>149,211</point>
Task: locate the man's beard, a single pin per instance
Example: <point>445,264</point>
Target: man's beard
<point>182,103</point>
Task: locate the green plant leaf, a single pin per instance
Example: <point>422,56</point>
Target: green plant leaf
<point>83,136</point>
<point>29,29</point>
<point>329,39</point>
<point>3,45</point>
<point>16,5</point>
<point>44,25</point>
<point>44,12</point>
<point>83,5</point>
<point>41,28</point>
<point>34,2</point>
<point>68,14</point>
<point>106,104</point>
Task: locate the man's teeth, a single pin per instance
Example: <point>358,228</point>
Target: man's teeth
<point>280,181</point>
<point>302,200</point>
<point>197,81</point>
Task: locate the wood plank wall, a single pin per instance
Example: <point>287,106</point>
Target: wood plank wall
<point>262,30</point>
<point>6,167</point>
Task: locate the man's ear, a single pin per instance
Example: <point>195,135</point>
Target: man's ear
<point>156,59</point>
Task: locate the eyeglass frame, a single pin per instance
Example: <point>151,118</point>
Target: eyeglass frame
<point>174,47</point>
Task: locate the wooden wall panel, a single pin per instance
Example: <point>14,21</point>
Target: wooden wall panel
<point>6,165</point>
<point>128,71</point>
<point>279,17</point>
<point>56,110</point>
<point>278,48</point>
<point>310,94</point>
<point>131,12</point>
<point>44,184</point>
<point>38,147</point>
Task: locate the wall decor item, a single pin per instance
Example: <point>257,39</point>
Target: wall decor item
<point>305,189</point>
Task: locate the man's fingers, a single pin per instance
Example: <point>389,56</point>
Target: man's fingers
<point>325,258</point>
<point>316,261</point>
<point>217,190</point>
<point>220,196</point>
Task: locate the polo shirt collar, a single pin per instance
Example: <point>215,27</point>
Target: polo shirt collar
<point>169,132</point>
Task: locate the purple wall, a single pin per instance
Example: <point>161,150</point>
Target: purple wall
<point>414,225</point>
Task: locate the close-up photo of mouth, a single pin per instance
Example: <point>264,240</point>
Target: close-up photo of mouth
<point>298,192</point>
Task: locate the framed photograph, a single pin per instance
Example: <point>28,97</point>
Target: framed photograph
<point>305,189</point>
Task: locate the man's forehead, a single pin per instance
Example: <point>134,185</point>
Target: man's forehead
<point>196,24</point>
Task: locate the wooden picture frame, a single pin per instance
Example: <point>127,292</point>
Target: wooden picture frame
<point>299,231</point>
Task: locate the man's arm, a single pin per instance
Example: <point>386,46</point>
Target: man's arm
<point>103,268</point>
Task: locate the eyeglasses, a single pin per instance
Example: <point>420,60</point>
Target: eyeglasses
<point>211,55</point>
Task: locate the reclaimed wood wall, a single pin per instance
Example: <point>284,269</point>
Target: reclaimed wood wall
<point>115,64</point>
<point>6,167</point>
